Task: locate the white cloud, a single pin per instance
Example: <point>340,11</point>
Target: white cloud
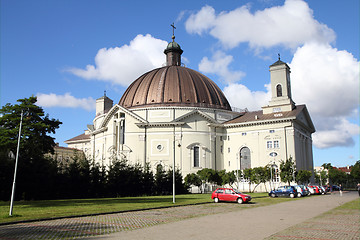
<point>327,80</point>
<point>122,65</point>
<point>219,65</point>
<point>201,21</point>
<point>66,100</point>
<point>240,96</point>
<point>289,25</point>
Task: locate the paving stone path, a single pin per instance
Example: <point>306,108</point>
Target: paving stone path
<point>112,226</point>
<point>82,227</point>
<point>336,224</point>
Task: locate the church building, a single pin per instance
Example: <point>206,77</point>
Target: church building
<point>174,115</point>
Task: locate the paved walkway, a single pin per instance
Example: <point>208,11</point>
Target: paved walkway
<point>253,223</point>
<point>208,221</point>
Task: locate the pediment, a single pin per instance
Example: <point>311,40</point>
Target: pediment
<point>195,113</point>
<point>117,108</point>
<point>304,119</point>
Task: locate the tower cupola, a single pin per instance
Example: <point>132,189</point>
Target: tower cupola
<point>173,52</point>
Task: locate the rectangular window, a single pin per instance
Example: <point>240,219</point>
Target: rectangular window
<point>122,132</point>
<point>221,149</point>
<point>220,138</point>
<point>276,144</point>
<point>269,144</point>
<point>196,157</point>
<point>243,134</point>
<point>272,131</point>
<point>228,138</point>
<point>228,150</point>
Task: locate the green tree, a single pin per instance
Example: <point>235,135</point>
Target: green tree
<point>208,175</point>
<point>192,179</point>
<point>287,170</point>
<point>327,166</point>
<point>35,172</point>
<point>336,176</point>
<point>228,177</point>
<point>260,175</point>
<point>36,127</point>
<point>303,177</point>
<point>355,171</point>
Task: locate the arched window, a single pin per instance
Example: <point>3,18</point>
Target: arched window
<point>245,158</point>
<point>278,90</point>
<point>196,156</point>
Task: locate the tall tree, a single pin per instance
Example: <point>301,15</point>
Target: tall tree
<point>34,171</point>
<point>36,127</point>
<point>287,170</point>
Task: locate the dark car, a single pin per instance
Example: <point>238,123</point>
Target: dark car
<point>284,191</point>
<point>230,195</point>
<point>335,188</point>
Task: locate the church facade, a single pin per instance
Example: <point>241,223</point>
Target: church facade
<point>174,115</point>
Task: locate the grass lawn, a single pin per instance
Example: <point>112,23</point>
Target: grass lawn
<point>32,210</point>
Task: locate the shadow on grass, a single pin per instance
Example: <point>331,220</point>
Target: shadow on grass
<point>107,201</point>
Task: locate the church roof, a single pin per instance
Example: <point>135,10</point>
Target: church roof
<point>174,86</point>
<point>79,138</point>
<point>258,116</point>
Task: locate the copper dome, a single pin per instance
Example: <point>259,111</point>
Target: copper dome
<point>174,86</point>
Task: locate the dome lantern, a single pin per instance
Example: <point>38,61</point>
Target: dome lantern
<point>173,52</point>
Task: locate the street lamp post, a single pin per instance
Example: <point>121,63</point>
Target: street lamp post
<point>16,164</point>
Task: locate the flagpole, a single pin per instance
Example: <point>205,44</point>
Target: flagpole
<point>16,164</point>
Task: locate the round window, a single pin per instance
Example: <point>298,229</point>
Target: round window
<point>159,147</point>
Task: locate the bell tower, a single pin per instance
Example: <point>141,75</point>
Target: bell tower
<point>281,100</point>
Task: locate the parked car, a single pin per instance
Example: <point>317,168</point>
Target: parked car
<point>316,189</point>
<point>335,188</point>
<point>284,191</point>
<point>311,190</point>
<point>302,191</point>
<point>327,188</point>
<point>230,195</point>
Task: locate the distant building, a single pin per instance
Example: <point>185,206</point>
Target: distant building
<point>64,155</point>
<point>174,115</point>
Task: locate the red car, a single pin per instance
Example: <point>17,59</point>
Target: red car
<point>230,195</point>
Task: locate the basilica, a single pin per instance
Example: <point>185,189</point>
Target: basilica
<point>176,116</point>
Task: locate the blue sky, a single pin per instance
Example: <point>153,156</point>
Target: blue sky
<point>68,52</point>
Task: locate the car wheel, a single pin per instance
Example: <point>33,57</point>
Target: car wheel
<point>299,194</point>
<point>272,195</point>
<point>292,195</point>
<point>240,200</point>
<point>216,200</point>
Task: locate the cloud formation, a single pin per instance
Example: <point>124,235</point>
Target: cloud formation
<point>323,77</point>
<point>122,65</point>
<point>289,25</point>
<point>219,64</point>
<point>66,100</point>
<point>327,80</point>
